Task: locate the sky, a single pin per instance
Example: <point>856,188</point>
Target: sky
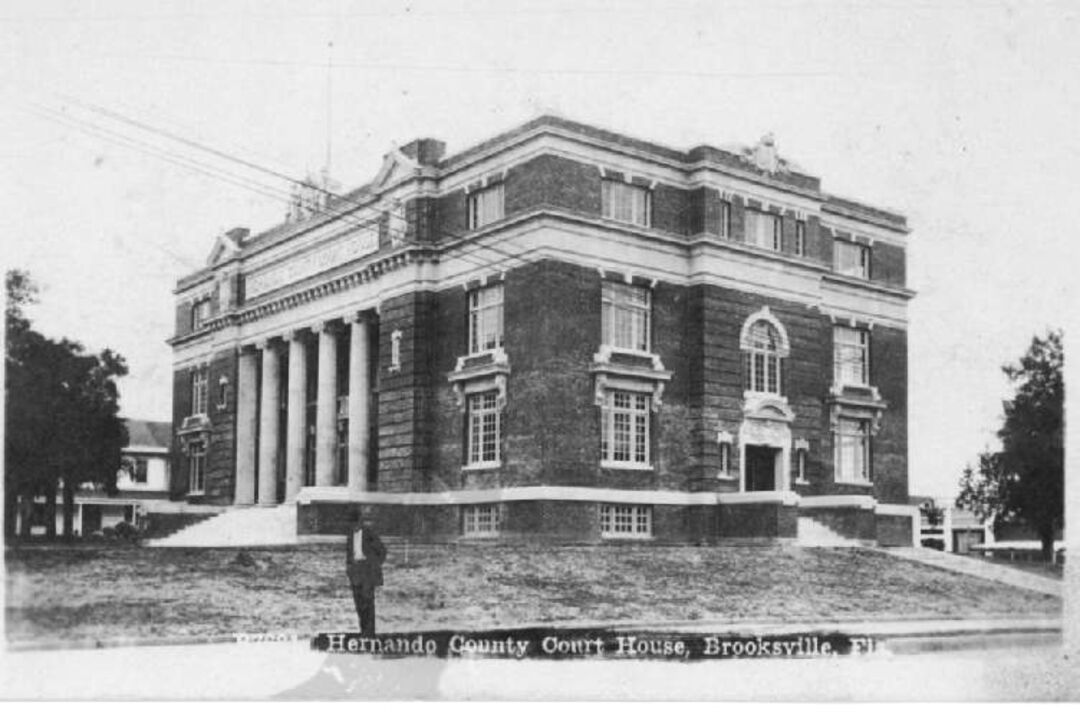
<point>961,115</point>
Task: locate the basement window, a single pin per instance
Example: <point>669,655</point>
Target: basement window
<point>480,520</point>
<point>625,521</point>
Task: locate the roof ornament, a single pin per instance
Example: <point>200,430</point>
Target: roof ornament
<point>764,154</point>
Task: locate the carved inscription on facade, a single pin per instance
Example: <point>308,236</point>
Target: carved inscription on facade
<point>326,257</point>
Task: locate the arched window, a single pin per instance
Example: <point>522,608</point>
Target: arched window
<point>763,359</point>
<point>765,346</point>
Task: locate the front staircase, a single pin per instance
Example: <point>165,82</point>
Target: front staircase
<point>248,526</point>
<point>812,533</point>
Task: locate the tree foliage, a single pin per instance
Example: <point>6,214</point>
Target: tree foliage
<point>1025,480</point>
<point>934,514</point>
<point>63,424</point>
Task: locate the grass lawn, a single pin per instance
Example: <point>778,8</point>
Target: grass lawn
<point>1042,568</point>
<point>93,593</point>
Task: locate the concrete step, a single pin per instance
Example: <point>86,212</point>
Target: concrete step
<point>813,533</point>
<point>248,526</point>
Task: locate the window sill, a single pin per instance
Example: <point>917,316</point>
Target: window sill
<point>616,221</point>
<point>639,537</point>
<point>764,395</point>
<point>640,467</point>
<point>646,353</point>
<point>802,481</point>
<point>852,483</point>
<point>480,535</point>
<point>727,477</point>
<point>479,466</point>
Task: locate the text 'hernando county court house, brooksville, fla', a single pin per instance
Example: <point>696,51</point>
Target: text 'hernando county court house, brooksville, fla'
<point>561,333</point>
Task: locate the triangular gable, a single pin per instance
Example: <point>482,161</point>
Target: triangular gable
<point>224,247</point>
<point>396,165</point>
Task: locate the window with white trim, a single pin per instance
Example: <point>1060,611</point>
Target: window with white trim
<point>138,475</point>
<point>223,393</point>
<point>763,230</point>
<point>480,520</point>
<point>800,238</point>
<point>725,458</point>
<point>199,385</point>
<point>852,259</point>
<point>762,360</point>
<point>853,450</point>
<point>625,429</point>
<point>625,521</point>
<point>851,356</point>
<point>626,312</point>
<point>196,467</point>
<point>800,465</point>
<point>725,218</point>
<point>486,206</point>
<point>485,319</point>
<point>483,435</point>
<point>395,350</point>
<point>626,203</point>
<point>200,313</point>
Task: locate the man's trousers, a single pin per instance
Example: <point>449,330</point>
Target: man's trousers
<point>364,598</point>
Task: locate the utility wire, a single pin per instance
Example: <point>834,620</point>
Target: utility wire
<point>235,179</point>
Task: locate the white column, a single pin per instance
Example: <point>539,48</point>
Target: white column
<point>247,388</point>
<point>326,408</point>
<point>359,391</point>
<point>294,428</point>
<point>268,425</point>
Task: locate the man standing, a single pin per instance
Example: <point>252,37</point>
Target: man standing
<point>365,554</point>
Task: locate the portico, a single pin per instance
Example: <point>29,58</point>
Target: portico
<point>274,455</point>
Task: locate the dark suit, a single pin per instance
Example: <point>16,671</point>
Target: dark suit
<point>365,574</point>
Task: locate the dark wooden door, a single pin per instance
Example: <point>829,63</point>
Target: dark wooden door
<point>760,468</point>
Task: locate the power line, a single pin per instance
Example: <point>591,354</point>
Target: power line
<point>198,166</point>
<point>241,181</point>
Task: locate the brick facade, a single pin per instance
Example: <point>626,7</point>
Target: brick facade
<point>553,351</point>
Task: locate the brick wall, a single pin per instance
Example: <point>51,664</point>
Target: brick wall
<point>887,264</point>
<point>888,371</point>
<point>181,404</point>
<point>421,216</point>
<point>221,458</point>
<point>553,181</point>
<point>752,521</point>
<point>183,318</point>
<point>405,424</point>
<point>894,530</point>
<point>670,209</point>
<point>552,331</point>
<point>550,427</point>
<point>718,394</point>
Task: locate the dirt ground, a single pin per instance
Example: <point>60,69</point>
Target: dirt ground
<point>86,593</point>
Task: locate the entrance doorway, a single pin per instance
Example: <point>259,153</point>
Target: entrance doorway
<point>761,468</point>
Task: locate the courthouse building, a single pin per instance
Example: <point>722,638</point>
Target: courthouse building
<point>561,333</point>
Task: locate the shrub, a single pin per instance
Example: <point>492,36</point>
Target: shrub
<point>126,531</point>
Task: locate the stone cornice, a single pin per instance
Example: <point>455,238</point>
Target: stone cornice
<point>375,265</point>
<point>269,305</point>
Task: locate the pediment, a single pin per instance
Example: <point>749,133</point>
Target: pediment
<point>763,407</point>
<point>396,165</point>
<point>224,248</point>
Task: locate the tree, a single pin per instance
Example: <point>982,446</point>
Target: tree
<point>1025,480</point>
<point>63,423</point>
<point>934,514</point>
